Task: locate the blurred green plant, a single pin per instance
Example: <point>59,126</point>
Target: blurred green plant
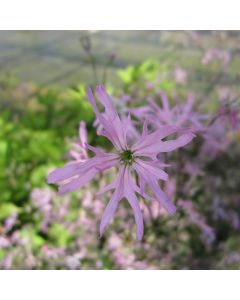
<point>150,71</point>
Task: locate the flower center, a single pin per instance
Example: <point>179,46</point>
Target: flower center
<point>126,157</point>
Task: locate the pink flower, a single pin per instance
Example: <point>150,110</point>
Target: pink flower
<point>10,221</point>
<point>4,242</point>
<point>136,160</point>
<point>215,139</point>
<point>217,54</point>
<point>179,115</point>
<point>180,75</point>
<point>79,150</point>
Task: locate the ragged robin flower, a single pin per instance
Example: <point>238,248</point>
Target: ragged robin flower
<point>137,163</point>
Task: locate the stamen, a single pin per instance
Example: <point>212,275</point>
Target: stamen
<point>126,157</point>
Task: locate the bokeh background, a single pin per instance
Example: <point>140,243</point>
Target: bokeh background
<point>43,75</point>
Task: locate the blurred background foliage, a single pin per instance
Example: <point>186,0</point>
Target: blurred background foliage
<point>42,99</point>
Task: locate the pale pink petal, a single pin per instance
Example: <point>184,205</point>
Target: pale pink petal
<point>149,167</point>
<point>165,102</point>
<point>154,137</point>
<point>158,147</point>
<point>76,155</point>
<point>186,110</point>
<point>106,164</point>
<point>109,211</point>
<point>113,203</point>
<point>92,101</point>
<point>162,198</point>
<point>151,180</point>
<point>83,134</point>
<point>113,128</point>
<point>132,199</point>
<point>106,101</point>
<point>103,162</point>
<point>66,172</point>
<point>76,184</point>
<point>145,129</point>
<point>141,112</point>
<point>97,151</point>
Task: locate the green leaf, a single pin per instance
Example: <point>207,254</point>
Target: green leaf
<point>35,240</point>
<point>59,235</point>
<point>6,209</point>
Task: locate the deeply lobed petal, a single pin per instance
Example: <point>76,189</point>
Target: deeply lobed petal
<point>113,128</point>
<point>152,181</point>
<point>124,187</point>
<point>73,176</point>
<point>77,183</point>
<point>151,150</point>
<point>148,139</point>
<point>83,136</point>
<point>150,167</point>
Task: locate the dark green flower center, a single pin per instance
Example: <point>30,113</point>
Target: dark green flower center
<point>126,157</point>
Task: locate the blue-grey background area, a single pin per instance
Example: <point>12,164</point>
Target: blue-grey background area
<point>57,57</point>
